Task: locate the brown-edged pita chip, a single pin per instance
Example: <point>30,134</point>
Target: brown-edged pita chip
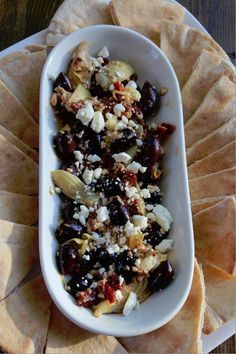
<point>183,45</point>
<point>21,71</point>
<point>183,333</point>
<point>15,118</point>
<point>214,185</point>
<point>18,253</point>
<point>217,108</point>
<point>208,69</point>
<point>66,337</point>
<point>24,317</point>
<point>214,234</point>
<point>220,291</point>
<point>75,14</point>
<point>18,173</point>
<point>145,16</point>
<point>222,159</point>
<point>212,321</point>
<point>18,208</point>
<point>212,142</point>
<point>19,144</point>
<point>202,204</point>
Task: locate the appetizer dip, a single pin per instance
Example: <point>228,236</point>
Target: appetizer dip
<point>113,229</point>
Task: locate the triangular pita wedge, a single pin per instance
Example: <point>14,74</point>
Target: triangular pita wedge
<point>220,291</point>
<point>222,159</point>
<point>208,69</point>
<point>18,208</point>
<point>217,108</point>
<point>202,204</point>
<point>183,333</point>
<point>145,16</point>
<point>19,144</point>
<point>66,337</point>
<point>15,118</point>
<point>214,234</point>
<point>183,45</point>
<point>212,142</point>
<point>212,321</point>
<point>214,185</point>
<point>21,71</point>
<point>75,14</point>
<point>18,173</point>
<point>24,317</point>
<point>18,253</point>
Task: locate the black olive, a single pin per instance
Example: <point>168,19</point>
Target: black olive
<point>69,208</point>
<point>118,212</point>
<point>154,235</point>
<point>161,277</point>
<point>151,151</point>
<point>94,141</point>
<point>150,100</point>
<point>66,231</point>
<point>123,143</point>
<point>155,198</point>
<point>63,81</point>
<point>123,265</point>
<point>78,283</point>
<point>110,186</point>
<point>65,144</point>
<point>66,259</point>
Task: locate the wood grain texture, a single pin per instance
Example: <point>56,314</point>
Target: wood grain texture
<point>21,18</point>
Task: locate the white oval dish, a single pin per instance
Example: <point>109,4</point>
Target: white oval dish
<point>150,64</point>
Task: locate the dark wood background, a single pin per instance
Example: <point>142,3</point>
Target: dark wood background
<point>21,18</point>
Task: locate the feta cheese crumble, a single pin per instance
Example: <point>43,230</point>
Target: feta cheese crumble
<point>130,303</point>
<point>122,157</point>
<point>141,221</point>
<point>163,216</point>
<point>85,114</point>
<point>135,167</point>
<point>131,84</point>
<point>102,214</point>
<point>164,246</point>
<point>87,176</point>
<point>118,109</point>
<point>98,122</point>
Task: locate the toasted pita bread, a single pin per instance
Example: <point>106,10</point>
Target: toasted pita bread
<point>21,71</point>
<point>145,17</point>
<point>214,234</point>
<point>170,338</point>
<point>212,142</point>
<point>222,159</point>
<point>217,108</point>
<point>183,45</point>
<point>75,14</point>
<point>212,321</point>
<point>16,119</point>
<point>66,337</point>
<point>214,185</point>
<point>24,316</point>
<point>220,291</point>
<point>18,253</point>
<point>208,69</point>
<point>202,204</point>
<point>19,144</point>
<point>18,208</point>
<point>18,173</point>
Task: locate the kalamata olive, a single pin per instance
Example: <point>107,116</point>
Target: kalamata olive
<point>68,210</point>
<point>124,142</point>
<point>155,198</point>
<point>67,117</point>
<point>123,265</point>
<point>151,151</point>
<point>118,212</point>
<point>66,231</point>
<point>65,144</point>
<point>63,81</point>
<point>104,258</point>
<point>154,235</point>
<point>86,263</point>
<point>161,277</point>
<point>78,283</point>
<point>66,259</point>
<point>94,141</point>
<point>150,100</point>
<point>110,186</point>
<point>69,164</point>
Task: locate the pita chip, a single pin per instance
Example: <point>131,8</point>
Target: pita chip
<point>183,333</point>
<point>145,17</point>
<point>212,321</point>
<point>18,208</point>
<point>208,69</point>
<point>15,118</point>
<point>18,253</point>
<point>202,204</point>
<point>212,142</point>
<point>214,234</point>
<point>216,184</point>
<point>222,159</point>
<point>18,173</point>
<point>75,14</point>
<point>217,108</point>
<point>20,71</point>
<point>24,316</point>
<point>26,149</point>
<point>65,337</point>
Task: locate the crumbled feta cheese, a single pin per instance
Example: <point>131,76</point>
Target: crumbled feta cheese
<point>122,157</point>
<point>85,114</point>
<point>95,236</point>
<point>124,120</point>
<point>130,303</point>
<point>119,295</point>
<point>102,214</point>
<point>153,188</point>
<point>131,192</point>
<point>132,123</point>
<point>101,270</point>
<point>87,176</point>
<point>113,248</point>
<point>93,158</point>
<point>118,109</point>
<point>163,216</point>
<point>121,279</point>
<point>137,262</point>
<point>151,216</point>
<point>149,207</point>
<point>135,167</point>
<point>94,285</point>
<point>100,241</point>
<point>164,246</point>
<point>148,263</point>
<point>104,53</point>
<point>86,257</point>
<point>141,221</point>
<point>130,229</point>
<point>98,122</point>
<point>79,156</point>
<point>97,172</point>
<point>111,87</point>
<point>145,193</point>
<point>139,142</point>
<point>89,276</point>
<point>57,190</point>
<point>131,84</point>
<point>122,240</point>
<point>82,215</point>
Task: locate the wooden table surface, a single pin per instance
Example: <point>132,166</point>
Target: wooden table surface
<point>21,18</point>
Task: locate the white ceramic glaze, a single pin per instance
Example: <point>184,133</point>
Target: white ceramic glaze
<point>151,64</point>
